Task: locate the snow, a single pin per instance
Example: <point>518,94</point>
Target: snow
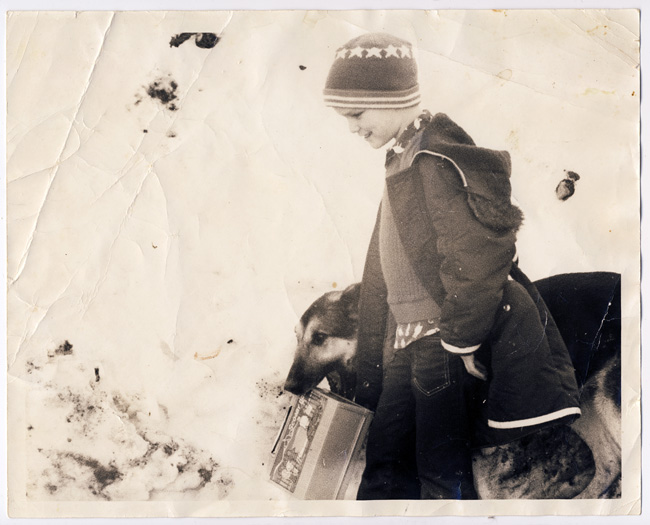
<point>97,440</point>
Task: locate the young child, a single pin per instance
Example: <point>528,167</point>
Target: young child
<point>440,286</point>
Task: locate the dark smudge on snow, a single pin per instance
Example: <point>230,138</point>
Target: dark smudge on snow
<point>164,90</point>
<point>177,40</point>
<point>206,40</point>
<point>202,40</point>
<point>567,187</point>
<point>64,348</point>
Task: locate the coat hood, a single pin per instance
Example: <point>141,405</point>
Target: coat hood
<point>485,173</point>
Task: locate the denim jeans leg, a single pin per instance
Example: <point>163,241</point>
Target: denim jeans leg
<point>390,471</point>
<point>442,389</point>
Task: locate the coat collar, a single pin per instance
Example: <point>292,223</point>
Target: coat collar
<point>418,124</point>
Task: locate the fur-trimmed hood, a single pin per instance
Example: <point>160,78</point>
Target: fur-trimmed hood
<point>485,173</point>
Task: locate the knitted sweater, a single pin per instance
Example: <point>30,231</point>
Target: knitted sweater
<point>408,298</point>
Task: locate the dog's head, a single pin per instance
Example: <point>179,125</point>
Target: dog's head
<point>327,343</point>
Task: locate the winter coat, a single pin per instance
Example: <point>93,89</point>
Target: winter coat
<point>462,247</point>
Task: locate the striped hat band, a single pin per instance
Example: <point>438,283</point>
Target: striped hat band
<point>369,99</point>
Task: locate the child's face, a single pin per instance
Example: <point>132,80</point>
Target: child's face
<point>377,126</point>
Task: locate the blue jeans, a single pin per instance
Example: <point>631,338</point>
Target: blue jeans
<point>419,440</point>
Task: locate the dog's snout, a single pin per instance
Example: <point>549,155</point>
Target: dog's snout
<point>295,382</point>
<point>293,387</point>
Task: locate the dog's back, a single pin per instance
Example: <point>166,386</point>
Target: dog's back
<point>587,310</point>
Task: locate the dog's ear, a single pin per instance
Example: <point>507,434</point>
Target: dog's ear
<point>350,298</point>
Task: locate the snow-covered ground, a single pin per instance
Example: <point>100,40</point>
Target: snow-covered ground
<point>97,439</point>
<point>175,241</point>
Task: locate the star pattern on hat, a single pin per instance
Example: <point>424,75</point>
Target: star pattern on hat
<point>373,52</point>
<point>356,52</point>
<point>391,51</point>
<point>406,51</point>
<point>377,52</point>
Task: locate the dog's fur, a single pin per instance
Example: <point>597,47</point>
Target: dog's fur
<point>553,463</point>
<point>327,343</point>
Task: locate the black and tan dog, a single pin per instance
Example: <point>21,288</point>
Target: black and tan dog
<point>553,463</point>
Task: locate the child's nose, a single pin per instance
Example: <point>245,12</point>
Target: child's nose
<point>354,127</point>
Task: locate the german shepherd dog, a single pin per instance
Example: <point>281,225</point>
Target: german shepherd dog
<point>552,463</point>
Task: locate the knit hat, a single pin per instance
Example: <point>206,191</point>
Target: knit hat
<point>375,70</point>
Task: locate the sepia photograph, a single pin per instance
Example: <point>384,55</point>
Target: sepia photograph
<point>323,263</point>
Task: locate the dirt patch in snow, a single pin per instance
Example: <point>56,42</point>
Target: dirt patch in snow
<point>164,89</point>
<point>90,442</point>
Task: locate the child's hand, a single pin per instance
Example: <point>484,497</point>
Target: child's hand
<point>473,367</point>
